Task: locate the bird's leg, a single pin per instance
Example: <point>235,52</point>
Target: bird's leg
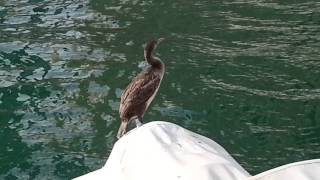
<point>138,121</point>
<point>122,129</point>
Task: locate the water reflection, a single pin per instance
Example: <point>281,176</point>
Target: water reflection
<point>48,97</point>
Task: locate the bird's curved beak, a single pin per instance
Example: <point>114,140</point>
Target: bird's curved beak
<point>160,40</point>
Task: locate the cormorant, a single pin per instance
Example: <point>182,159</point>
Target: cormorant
<point>138,95</point>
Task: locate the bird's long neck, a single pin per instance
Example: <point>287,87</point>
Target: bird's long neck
<point>152,60</point>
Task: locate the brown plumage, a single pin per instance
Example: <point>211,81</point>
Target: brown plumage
<point>140,92</point>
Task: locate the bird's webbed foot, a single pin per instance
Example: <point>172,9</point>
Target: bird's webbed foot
<point>138,122</point>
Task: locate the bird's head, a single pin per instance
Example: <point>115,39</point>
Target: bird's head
<point>152,45</point>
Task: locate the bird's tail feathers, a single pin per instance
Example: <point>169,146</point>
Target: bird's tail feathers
<point>122,129</point>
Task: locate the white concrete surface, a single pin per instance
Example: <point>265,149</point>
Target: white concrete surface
<point>165,151</point>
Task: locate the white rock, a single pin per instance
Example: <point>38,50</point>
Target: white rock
<point>165,151</point>
<point>162,150</point>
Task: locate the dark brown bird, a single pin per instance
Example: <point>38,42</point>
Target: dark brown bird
<point>140,92</point>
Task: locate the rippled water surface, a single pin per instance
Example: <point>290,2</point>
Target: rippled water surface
<point>244,73</point>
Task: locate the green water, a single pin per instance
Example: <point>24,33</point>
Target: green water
<point>244,73</point>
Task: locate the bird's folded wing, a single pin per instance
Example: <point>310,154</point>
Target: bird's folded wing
<point>139,91</point>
